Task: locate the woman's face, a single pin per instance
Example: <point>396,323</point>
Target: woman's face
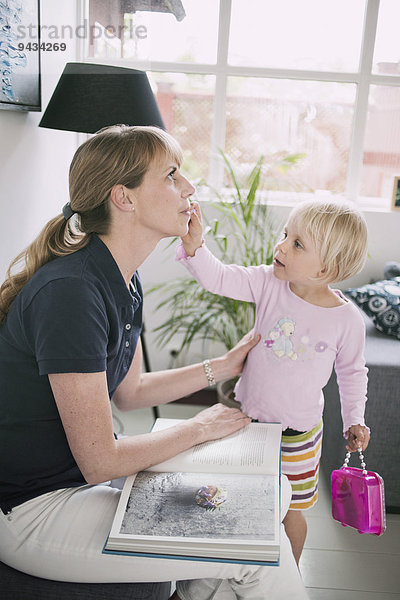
<point>162,200</point>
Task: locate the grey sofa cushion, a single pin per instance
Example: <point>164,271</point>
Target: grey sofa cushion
<point>15,585</point>
<point>381,349</point>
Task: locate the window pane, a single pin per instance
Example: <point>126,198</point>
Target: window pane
<point>293,34</point>
<point>117,31</point>
<point>381,160</point>
<point>305,120</point>
<point>186,102</point>
<point>387,46</point>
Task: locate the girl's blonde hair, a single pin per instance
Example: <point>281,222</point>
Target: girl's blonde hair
<point>115,155</point>
<point>339,231</point>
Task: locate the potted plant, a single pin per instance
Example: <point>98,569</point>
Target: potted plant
<point>245,233</point>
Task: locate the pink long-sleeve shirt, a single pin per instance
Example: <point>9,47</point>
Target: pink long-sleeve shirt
<point>284,374</point>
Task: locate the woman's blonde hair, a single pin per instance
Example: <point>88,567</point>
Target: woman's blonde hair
<point>339,232</point>
<point>115,155</point>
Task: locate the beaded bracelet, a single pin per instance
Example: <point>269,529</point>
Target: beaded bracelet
<point>209,372</point>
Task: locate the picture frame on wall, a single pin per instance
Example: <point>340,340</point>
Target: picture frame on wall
<point>20,85</point>
<point>396,194</point>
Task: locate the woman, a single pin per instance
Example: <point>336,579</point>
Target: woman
<point>69,341</point>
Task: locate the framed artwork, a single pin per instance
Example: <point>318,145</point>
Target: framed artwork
<point>20,55</point>
<point>396,194</point>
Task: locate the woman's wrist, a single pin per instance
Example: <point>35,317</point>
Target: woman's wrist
<point>192,432</point>
<point>221,367</point>
<point>209,373</point>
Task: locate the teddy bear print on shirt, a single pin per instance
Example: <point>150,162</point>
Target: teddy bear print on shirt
<point>279,339</point>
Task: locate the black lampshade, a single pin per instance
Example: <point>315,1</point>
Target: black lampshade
<point>89,97</point>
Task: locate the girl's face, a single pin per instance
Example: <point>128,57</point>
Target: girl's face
<point>296,259</point>
<point>162,200</point>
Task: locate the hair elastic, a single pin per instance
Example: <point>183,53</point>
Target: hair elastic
<point>67,211</point>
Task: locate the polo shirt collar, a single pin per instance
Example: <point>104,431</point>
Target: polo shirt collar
<point>105,260</point>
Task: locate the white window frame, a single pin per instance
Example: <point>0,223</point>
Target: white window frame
<point>363,78</point>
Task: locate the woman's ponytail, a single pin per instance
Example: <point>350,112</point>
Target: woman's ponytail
<point>57,238</point>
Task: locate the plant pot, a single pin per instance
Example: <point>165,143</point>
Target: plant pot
<point>225,393</point>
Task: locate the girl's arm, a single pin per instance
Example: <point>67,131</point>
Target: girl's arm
<point>85,411</point>
<point>234,281</point>
<point>139,389</point>
<point>352,382</point>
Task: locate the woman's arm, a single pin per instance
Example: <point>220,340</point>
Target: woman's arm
<point>84,407</point>
<point>138,389</point>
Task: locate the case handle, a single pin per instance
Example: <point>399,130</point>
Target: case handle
<point>361,456</point>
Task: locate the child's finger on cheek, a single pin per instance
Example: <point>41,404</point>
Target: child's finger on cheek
<point>194,217</point>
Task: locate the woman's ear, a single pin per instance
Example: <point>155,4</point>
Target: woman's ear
<point>122,198</point>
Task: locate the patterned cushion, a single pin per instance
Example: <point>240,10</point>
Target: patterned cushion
<point>381,302</point>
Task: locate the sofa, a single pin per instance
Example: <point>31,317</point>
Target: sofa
<point>15,585</point>
<point>382,354</point>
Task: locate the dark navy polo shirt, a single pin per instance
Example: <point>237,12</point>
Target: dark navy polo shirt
<point>76,315</point>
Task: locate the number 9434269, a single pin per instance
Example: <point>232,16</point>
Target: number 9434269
<point>44,46</point>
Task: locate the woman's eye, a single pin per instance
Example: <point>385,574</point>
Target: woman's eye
<point>297,244</point>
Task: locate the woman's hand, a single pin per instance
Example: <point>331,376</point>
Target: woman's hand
<point>236,357</point>
<point>218,421</point>
<point>194,237</point>
<point>357,435</point>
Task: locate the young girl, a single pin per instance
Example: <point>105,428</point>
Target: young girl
<point>306,327</point>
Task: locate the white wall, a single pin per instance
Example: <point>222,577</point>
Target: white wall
<point>34,186</point>
<point>34,161</point>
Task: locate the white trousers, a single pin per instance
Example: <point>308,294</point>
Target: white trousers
<point>60,536</point>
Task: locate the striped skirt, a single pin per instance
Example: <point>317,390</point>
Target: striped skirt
<point>301,455</point>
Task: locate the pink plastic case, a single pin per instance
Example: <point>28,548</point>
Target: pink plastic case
<point>358,500</point>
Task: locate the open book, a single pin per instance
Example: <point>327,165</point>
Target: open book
<point>219,501</point>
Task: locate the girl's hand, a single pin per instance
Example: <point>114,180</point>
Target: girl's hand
<point>194,237</point>
<point>357,435</point>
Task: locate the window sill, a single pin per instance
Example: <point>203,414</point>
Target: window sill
<point>291,199</point>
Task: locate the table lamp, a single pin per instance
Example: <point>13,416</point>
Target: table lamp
<point>89,97</point>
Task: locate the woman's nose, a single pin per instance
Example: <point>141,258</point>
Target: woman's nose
<point>187,188</point>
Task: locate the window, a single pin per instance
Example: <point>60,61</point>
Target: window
<point>312,86</point>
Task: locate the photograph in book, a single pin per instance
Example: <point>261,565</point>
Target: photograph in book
<point>162,504</point>
<point>219,500</point>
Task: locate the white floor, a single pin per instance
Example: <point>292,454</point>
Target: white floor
<point>337,562</point>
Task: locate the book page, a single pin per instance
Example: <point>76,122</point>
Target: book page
<point>253,449</point>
